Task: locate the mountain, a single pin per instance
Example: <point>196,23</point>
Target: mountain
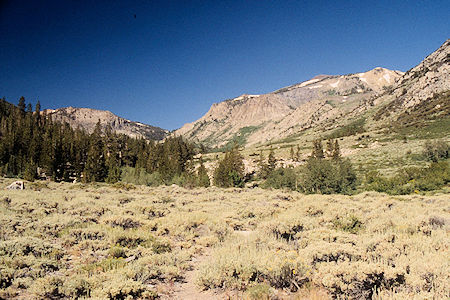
<point>422,92</point>
<point>252,119</point>
<point>329,101</point>
<point>87,118</point>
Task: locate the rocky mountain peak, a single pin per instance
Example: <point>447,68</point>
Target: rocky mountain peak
<point>87,118</point>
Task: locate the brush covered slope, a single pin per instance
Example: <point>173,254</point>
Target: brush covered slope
<point>66,241</point>
<point>87,118</point>
<point>328,102</point>
<point>252,119</point>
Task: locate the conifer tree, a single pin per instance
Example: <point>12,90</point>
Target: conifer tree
<point>297,154</point>
<point>38,107</point>
<point>317,151</point>
<point>271,161</point>
<point>202,175</point>
<point>21,104</point>
<point>263,166</point>
<point>114,173</point>
<point>330,147</point>
<point>30,173</point>
<point>95,169</point>
<point>230,171</point>
<point>336,153</point>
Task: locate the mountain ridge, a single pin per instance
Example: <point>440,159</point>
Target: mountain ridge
<point>258,116</point>
<point>87,118</point>
<point>326,101</point>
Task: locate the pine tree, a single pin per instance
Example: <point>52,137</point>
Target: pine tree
<point>112,156</point>
<point>114,173</point>
<point>330,147</point>
<point>230,171</point>
<point>95,169</point>
<point>297,154</point>
<point>38,107</point>
<point>263,166</point>
<point>292,153</point>
<point>202,175</point>
<point>271,161</point>
<point>317,151</point>
<point>336,153</point>
<point>30,173</point>
<point>21,104</point>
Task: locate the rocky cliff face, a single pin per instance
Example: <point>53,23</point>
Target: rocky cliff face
<point>252,119</point>
<point>429,78</point>
<point>87,118</point>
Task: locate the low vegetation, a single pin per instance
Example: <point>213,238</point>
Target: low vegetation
<point>410,180</point>
<point>124,241</point>
<point>352,128</point>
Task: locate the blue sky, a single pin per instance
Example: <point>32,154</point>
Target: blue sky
<point>167,65</point>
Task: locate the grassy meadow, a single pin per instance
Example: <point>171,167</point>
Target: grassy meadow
<point>99,241</point>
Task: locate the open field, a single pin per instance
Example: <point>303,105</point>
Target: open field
<point>105,242</point>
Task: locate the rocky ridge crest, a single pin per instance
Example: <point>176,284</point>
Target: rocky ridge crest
<point>87,118</point>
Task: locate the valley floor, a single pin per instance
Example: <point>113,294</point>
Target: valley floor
<point>123,241</point>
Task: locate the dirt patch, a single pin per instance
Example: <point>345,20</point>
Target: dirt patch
<point>188,290</point>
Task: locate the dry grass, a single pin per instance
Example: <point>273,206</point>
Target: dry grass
<point>96,241</point>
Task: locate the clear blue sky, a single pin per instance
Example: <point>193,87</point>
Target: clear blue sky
<point>167,65</point>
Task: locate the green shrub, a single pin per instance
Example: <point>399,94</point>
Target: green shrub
<point>122,288</point>
<point>123,186</point>
<point>105,265</point>
<point>37,185</point>
<point>140,177</point>
<point>351,224</point>
<point>328,176</point>
<point>352,128</point>
<point>436,150</point>
<point>186,179</point>
<point>281,178</point>
<point>433,177</point>
<point>259,291</point>
<point>230,171</point>
<point>48,287</point>
<point>409,180</point>
<point>6,276</point>
<point>25,246</point>
<point>117,252</point>
<point>159,247</point>
<point>76,287</point>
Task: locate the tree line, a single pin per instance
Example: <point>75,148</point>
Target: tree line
<point>324,172</point>
<point>33,146</point>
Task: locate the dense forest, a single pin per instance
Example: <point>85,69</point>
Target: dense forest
<point>32,146</point>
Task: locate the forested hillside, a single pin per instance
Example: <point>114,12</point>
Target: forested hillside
<point>33,146</point>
